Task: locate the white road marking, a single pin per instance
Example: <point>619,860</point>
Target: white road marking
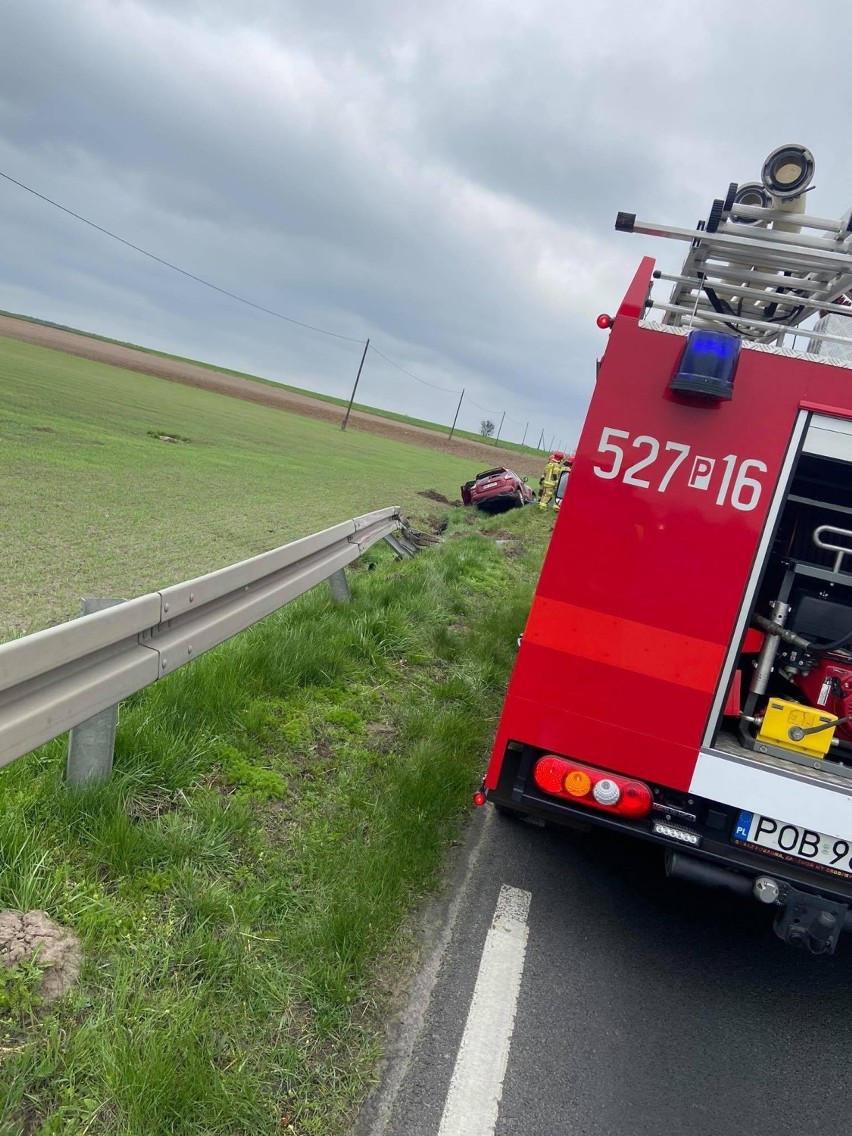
<point>477,1082</point>
<point>399,1051</point>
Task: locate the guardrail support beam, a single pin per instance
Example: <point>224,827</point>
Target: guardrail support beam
<point>72,676</point>
<point>338,585</point>
<point>400,546</point>
<point>91,744</point>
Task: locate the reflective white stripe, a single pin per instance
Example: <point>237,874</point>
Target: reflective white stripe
<point>477,1082</point>
<point>786,797</point>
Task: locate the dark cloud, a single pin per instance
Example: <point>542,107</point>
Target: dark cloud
<point>441,177</point>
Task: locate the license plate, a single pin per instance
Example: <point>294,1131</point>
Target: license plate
<point>792,842</point>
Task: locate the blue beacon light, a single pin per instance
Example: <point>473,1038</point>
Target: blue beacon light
<point>708,365</point>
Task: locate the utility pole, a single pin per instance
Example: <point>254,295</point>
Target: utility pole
<point>357,377</point>
<point>458,408</point>
<point>525,433</point>
<point>540,439</point>
<point>499,428</point>
<point>552,440</point>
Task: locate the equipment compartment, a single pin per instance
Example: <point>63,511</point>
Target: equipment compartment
<point>798,652</point>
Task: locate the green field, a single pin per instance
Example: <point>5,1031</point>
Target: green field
<point>243,885</point>
<point>396,417</point>
<point>94,504</point>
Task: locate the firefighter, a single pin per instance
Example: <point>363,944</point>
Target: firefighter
<point>551,478</point>
<point>564,465</point>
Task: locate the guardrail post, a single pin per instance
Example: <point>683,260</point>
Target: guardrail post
<point>338,585</point>
<point>91,744</point>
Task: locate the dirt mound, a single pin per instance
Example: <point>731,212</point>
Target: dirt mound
<point>56,949</point>
<point>194,375</point>
<point>434,495</point>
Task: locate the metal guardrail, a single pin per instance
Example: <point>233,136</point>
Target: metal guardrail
<point>58,678</point>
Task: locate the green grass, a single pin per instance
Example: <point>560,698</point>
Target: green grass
<point>95,504</point>
<point>382,413</point>
<point>241,884</point>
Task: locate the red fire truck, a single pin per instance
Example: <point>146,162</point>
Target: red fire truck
<point>685,674</point>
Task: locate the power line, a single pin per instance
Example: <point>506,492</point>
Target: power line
<point>232,295</point>
<point>484,409</point>
<point>175,268</point>
<point>447,390</point>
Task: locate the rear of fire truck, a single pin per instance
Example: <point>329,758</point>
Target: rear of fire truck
<point>685,675</point>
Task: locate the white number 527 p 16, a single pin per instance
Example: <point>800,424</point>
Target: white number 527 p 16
<point>658,463</point>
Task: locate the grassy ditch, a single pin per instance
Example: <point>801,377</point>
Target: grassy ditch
<point>241,885</point>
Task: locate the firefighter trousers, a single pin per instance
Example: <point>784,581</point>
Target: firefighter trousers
<point>547,491</point>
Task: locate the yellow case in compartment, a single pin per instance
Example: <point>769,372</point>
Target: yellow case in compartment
<point>780,717</point>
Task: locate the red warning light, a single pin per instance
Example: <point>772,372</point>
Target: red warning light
<point>479,799</point>
<point>604,321</point>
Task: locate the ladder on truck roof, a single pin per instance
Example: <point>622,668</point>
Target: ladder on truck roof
<point>758,271</point>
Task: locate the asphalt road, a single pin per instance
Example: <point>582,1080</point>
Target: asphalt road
<point>646,1007</point>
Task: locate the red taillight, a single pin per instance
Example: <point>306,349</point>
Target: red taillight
<point>608,792</point>
<point>479,799</point>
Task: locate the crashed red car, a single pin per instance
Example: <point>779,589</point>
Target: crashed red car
<point>497,490</point>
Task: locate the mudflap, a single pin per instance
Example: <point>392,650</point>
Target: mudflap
<point>810,922</point>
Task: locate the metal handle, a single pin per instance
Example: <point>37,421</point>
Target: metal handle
<point>841,550</point>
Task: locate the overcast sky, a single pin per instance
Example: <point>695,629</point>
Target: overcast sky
<point>440,176</point>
